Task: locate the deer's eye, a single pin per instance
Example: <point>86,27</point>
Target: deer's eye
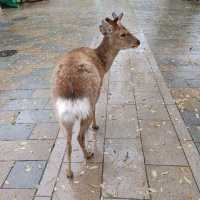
<point>123,35</point>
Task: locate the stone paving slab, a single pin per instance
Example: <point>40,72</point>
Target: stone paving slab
<point>25,150</point>
<point>16,94</point>
<point>122,122</point>
<point>42,198</point>
<point>25,104</point>
<point>121,93</point>
<point>52,169</point>
<point>148,98</point>
<point>85,185</point>
<point>35,116</point>
<point>195,133</point>
<point>160,143</point>
<point>121,73</point>
<point>5,169</point>
<point>41,93</point>
<point>15,132</point>
<point>124,171</point>
<point>172,182</point>
<point>152,112</point>
<point>45,131</point>
<point>16,194</point>
<point>25,174</point>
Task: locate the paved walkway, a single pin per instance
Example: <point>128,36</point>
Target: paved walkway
<point>143,149</point>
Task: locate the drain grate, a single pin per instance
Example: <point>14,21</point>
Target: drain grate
<point>7,53</point>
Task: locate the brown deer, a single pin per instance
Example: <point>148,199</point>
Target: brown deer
<point>78,79</point>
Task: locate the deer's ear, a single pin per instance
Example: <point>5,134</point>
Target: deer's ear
<point>105,28</point>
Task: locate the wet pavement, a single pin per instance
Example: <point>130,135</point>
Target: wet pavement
<point>148,111</point>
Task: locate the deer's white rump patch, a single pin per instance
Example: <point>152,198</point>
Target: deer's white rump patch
<point>71,110</point>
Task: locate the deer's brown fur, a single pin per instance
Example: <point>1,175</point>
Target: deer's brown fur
<point>78,79</point>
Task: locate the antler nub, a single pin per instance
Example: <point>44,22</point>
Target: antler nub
<point>117,18</point>
<point>114,15</point>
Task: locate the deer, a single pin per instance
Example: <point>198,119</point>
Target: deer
<point>78,78</point>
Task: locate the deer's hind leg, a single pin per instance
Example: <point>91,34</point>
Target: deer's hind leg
<point>68,130</point>
<point>94,124</point>
<point>81,137</point>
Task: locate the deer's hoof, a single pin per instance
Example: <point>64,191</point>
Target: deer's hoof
<point>70,174</point>
<point>95,127</point>
<point>89,155</point>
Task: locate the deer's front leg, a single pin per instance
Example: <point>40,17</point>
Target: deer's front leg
<point>94,125</point>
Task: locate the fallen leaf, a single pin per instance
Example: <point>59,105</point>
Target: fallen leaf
<point>187,180</point>
<point>164,173</point>
<point>93,167</point>
<point>76,182</point>
<point>152,190</point>
<point>154,173</point>
<point>28,168</point>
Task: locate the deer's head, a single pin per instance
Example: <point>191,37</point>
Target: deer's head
<point>117,34</point>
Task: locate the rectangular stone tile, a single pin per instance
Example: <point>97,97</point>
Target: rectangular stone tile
<point>171,182</point>
<point>148,98</point>
<point>33,82</point>
<point>25,174</point>
<point>52,169</point>
<point>42,72</point>
<point>45,131</point>
<point>177,83</point>
<point>121,93</point>
<point>122,122</point>
<point>15,132</point>
<point>25,150</point>
<point>121,73</point>
<point>152,112</point>
<point>139,88</point>
<point>85,184</point>
<point>193,158</point>
<point>193,83</point>
<point>42,198</point>
<point>34,116</point>
<point>16,194</point>
<point>140,63</point>
<point>178,123</point>
<point>41,93</point>
<point>144,78</point>
<point>160,143</point>
<point>16,94</point>
<point>190,118</point>
<point>5,169</point>
<point>124,172</point>
<point>195,133</point>
<point>25,104</point>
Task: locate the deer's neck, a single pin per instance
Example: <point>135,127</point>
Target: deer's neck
<point>106,53</point>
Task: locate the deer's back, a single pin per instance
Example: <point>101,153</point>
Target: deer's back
<point>77,75</point>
